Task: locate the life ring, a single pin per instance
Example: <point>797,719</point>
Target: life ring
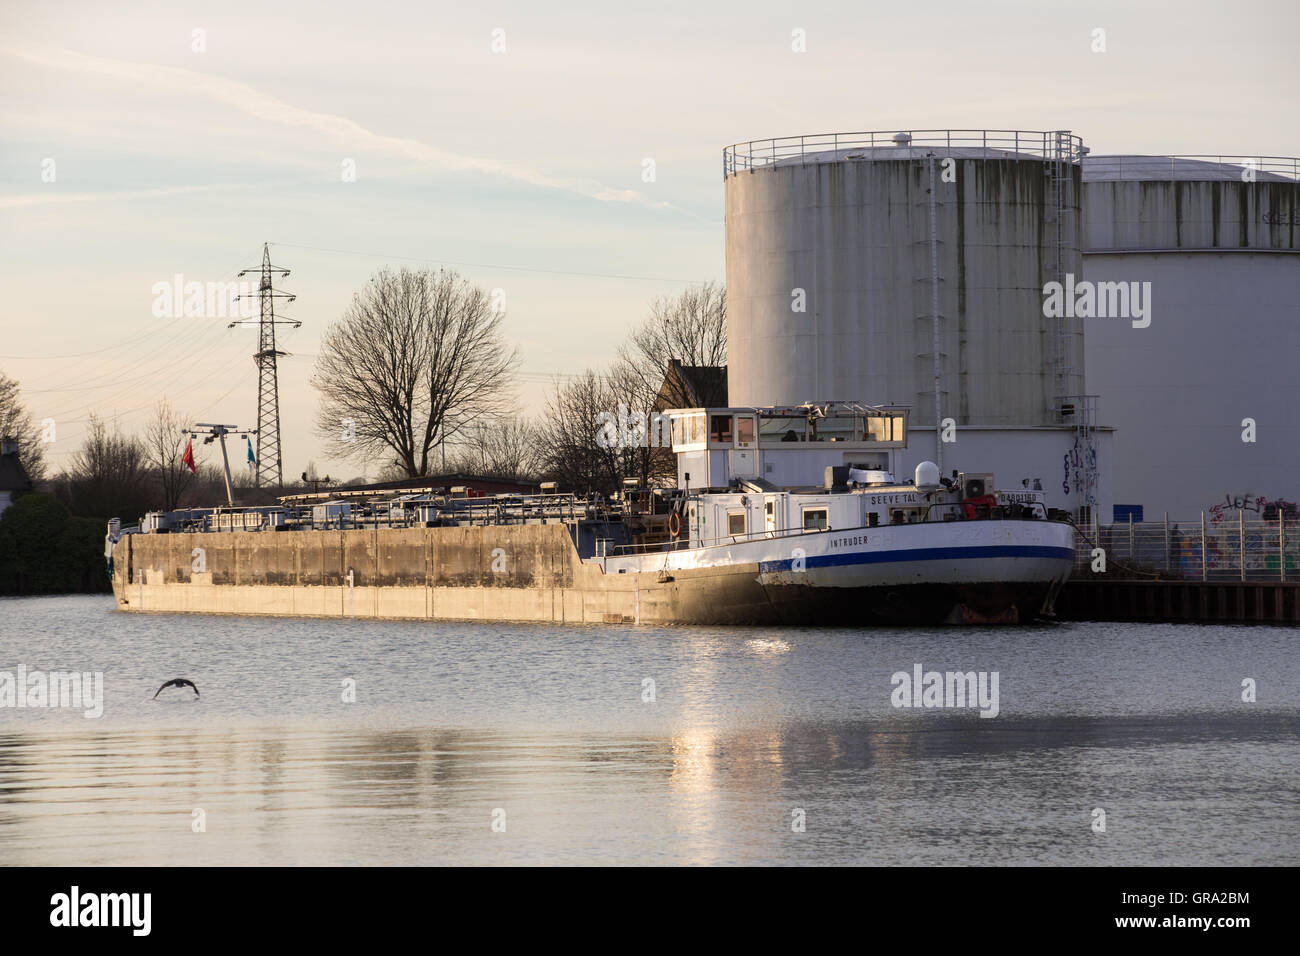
<point>674,524</point>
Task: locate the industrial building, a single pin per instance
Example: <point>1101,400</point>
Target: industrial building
<point>915,268</point>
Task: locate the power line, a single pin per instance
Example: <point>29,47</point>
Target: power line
<point>199,355</point>
<point>107,348</point>
<point>490,265</point>
<point>164,353</point>
<point>112,377</point>
<point>239,360</point>
<point>125,342</point>
<point>187,358</point>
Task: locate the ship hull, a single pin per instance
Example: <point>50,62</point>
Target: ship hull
<point>968,572</point>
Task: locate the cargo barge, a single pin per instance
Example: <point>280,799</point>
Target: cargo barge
<point>780,515</point>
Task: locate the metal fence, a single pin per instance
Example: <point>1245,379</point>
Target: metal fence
<point>824,147</point>
<point>1144,167</point>
<point>1213,546</point>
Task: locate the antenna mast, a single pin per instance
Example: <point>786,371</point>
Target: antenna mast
<point>218,432</point>
<point>270,470</point>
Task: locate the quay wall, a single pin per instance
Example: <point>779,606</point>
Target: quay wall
<point>1193,602</point>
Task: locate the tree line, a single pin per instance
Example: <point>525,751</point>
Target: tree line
<point>419,362</point>
<point>416,371</point>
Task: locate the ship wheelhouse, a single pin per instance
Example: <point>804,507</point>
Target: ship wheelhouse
<point>785,446</point>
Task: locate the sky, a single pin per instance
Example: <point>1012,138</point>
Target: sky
<point>510,142</point>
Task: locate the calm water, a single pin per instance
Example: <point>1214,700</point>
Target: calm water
<point>548,724</point>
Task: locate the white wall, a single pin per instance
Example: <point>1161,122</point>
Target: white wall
<point>1015,453</point>
<point>1223,345</point>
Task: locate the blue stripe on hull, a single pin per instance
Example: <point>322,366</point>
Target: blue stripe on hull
<point>923,554</point>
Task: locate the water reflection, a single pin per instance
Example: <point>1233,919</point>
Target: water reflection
<point>951,793</point>
<point>551,727</point>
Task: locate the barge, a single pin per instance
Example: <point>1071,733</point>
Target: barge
<point>780,515</point>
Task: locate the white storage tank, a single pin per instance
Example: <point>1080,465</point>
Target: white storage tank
<point>838,261</point>
<point>850,279</point>
<point>1218,241</point>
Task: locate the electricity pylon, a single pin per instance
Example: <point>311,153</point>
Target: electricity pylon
<point>269,468</point>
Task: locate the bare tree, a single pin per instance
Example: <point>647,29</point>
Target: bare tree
<point>571,449</point>
<point>164,444</point>
<point>415,358</point>
<point>390,472</point>
<point>500,447</point>
<point>690,327</point>
<point>648,454</point>
<point>108,474</point>
<point>16,423</point>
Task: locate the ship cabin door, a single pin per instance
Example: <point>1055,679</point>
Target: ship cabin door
<point>770,524</point>
<point>743,457</point>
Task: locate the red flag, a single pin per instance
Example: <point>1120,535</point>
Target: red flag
<point>188,457</point>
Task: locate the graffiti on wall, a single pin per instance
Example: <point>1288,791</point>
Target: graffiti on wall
<point>1078,464</point>
<point>1251,505</point>
<point>1250,524</point>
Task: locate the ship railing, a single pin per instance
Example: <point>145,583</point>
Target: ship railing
<point>998,513</point>
<point>679,543</point>
<point>1051,145</point>
<point>1255,542</point>
<point>625,550</point>
<point>514,509</point>
<point>956,511</point>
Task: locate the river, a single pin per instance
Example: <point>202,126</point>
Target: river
<point>376,742</point>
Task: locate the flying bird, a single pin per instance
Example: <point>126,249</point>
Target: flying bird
<point>178,682</point>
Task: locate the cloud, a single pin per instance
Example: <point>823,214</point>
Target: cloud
<point>53,195</point>
<point>339,128</point>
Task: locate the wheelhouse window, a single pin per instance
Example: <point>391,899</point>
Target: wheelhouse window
<point>814,519</point>
<point>882,428</point>
<point>720,428</point>
<point>835,429</point>
<point>744,431</point>
<point>782,429</point>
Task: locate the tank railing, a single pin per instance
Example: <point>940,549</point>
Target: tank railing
<point>994,144</point>
<point>1221,544</point>
<point>1125,168</point>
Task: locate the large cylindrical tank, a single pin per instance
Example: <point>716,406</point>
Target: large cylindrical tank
<point>837,259</point>
<point>1219,242</point>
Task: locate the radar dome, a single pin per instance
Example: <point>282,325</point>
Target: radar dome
<point>927,476</point>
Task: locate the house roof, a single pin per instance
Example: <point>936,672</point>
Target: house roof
<point>13,477</point>
<point>693,386</point>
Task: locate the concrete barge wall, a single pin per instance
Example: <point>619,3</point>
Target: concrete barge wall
<point>515,573</point>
